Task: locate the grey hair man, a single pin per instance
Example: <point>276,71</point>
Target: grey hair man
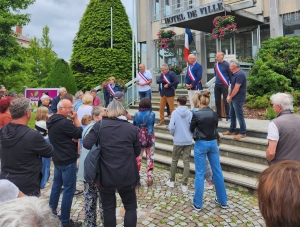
<point>144,80</point>
<point>193,78</point>
<point>61,92</point>
<point>119,97</point>
<point>22,149</point>
<point>27,211</point>
<point>78,102</point>
<point>168,83</point>
<point>223,77</point>
<point>236,99</point>
<point>283,131</point>
<point>64,134</point>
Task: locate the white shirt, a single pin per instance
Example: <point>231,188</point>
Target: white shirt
<point>84,110</point>
<point>273,133</point>
<point>148,75</point>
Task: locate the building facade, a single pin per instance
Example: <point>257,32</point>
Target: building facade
<point>257,20</point>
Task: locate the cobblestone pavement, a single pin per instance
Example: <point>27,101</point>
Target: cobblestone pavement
<point>160,205</point>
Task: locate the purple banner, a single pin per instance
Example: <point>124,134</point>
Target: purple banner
<point>34,94</point>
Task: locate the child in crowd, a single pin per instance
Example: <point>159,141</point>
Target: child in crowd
<point>208,175</point>
<point>40,126</point>
<point>86,120</point>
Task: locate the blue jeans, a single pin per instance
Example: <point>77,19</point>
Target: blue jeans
<point>146,94</point>
<point>45,171</point>
<point>211,149</point>
<point>236,111</point>
<point>63,176</point>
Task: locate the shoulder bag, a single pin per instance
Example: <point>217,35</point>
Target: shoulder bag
<point>91,162</point>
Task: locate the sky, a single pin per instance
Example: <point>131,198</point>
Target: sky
<point>62,17</point>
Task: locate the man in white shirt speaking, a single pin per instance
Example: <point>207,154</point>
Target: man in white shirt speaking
<point>143,80</point>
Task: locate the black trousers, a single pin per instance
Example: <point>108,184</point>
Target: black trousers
<point>221,89</point>
<point>109,204</point>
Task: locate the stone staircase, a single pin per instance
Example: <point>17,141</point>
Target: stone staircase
<point>241,160</point>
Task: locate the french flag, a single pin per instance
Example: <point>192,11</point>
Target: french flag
<point>188,40</point>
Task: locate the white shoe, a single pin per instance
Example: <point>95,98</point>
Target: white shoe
<point>207,185</point>
<point>170,183</point>
<point>184,188</point>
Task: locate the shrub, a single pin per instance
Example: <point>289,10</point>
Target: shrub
<point>61,75</point>
<point>270,113</point>
<point>278,67</point>
<point>258,102</point>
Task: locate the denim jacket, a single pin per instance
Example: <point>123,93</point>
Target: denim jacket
<point>140,117</point>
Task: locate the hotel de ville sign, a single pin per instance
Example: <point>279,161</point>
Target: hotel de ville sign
<point>202,11</point>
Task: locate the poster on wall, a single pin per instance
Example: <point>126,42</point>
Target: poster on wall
<point>34,94</point>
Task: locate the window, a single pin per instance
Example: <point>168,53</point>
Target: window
<point>156,10</point>
<point>178,6</point>
<point>167,8</point>
<point>191,4</point>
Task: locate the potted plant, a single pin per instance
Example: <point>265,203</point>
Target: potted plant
<point>165,33</point>
<point>177,69</point>
<point>165,43</point>
<point>225,27</point>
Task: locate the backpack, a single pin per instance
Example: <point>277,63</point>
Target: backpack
<point>143,133</point>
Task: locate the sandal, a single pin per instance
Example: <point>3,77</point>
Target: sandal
<point>78,192</point>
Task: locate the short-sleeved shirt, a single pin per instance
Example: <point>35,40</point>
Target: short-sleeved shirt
<point>148,75</point>
<point>239,78</point>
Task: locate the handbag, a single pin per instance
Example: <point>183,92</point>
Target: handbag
<point>91,162</point>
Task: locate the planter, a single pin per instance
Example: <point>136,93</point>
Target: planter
<point>228,35</point>
<point>177,72</point>
<point>166,35</point>
<point>171,45</point>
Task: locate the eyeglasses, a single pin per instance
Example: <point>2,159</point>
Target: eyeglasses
<point>70,107</point>
<point>31,110</point>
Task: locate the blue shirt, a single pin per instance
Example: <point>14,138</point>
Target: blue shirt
<point>239,78</point>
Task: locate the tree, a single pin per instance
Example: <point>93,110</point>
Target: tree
<point>12,66</point>
<point>61,75</point>
<point>93,60</point>
<point>41,58</point>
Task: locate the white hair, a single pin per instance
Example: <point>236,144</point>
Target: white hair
<point>284,100</point>
<point>61,89</point>
<point>235,63</point>
<point>27,211</point>
<point>59,105</point>
<point>44,97</point>
<point>192,55</point>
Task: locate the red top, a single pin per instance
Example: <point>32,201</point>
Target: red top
<point>5,118</point>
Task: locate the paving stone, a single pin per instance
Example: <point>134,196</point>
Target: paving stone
<point>161,206</point>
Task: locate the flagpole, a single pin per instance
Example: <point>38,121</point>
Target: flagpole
<point>132,93</point>
<point>111,30</point>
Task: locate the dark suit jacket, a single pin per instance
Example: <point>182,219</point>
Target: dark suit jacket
<point>170,91</point>
<point>197,72</point>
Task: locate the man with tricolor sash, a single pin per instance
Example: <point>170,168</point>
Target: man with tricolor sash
<point>168,82</point>
<point>193,78</point>
<point>143,80</point>
<point>223,78</point>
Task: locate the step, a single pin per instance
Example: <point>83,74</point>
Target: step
<point>227,150</point>
<point>232,178</point>
<point>229,164</point>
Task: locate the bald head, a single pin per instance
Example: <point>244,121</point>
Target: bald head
<point>64,107</point>
<point>142,68</point>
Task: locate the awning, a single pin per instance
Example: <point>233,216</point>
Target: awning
<point>200,18</point>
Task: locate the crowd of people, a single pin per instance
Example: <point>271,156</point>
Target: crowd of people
<point>67,127</point>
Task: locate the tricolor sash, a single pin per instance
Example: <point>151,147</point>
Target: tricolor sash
<point>192,77</point>
<point>190,74</point>
<point>166,79</point>
<point>111,90</point>
<point>143,77</point>
<point>221,75</point>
